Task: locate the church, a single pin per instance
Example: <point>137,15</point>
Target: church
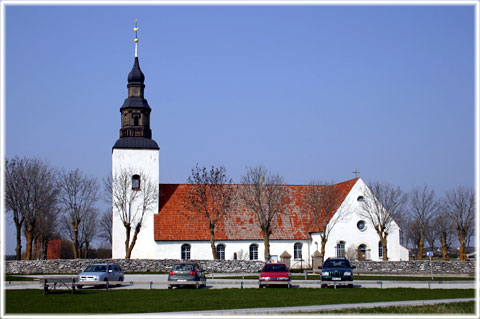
<point>170,230</point>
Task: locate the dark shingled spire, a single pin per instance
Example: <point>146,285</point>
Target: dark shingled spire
<point>136,75</point>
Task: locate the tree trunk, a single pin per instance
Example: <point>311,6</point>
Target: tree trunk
<point>266,242</point>
<point>461,239</point>
<point>85,255</point>
<point>443,240</point>
<point>384,246</point>
<point>75,240</point>
<point>134,240</point>
<point>420,246</point>
<point>322,250</point>
<point>29,238</point>
<point>18,249</point>
<point>212,243</point>
<point>128,250</point>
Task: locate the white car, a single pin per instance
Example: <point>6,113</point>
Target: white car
<point>101,272</point>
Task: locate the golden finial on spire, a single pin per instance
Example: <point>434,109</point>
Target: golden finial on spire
<point>136,37</point>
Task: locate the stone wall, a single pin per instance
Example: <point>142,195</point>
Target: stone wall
<point>416,267</point>
<point>72,266</point>
<point>68,266</point>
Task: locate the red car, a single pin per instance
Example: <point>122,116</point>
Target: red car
<point>274,274</point>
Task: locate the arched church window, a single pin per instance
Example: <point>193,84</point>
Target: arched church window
<point>185,252</point>
<point>297,251</point>
<point>135,120</point>
<point>135,182</point>
<point>220,251</point>
<point>253,250</point>
<point>340,249</point>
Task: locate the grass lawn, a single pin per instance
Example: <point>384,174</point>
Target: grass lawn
<point>442,308</point>
<point>162,300</point>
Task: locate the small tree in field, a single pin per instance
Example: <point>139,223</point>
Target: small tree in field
<point>266,196</point>
<point>133,196</point>
<point>422,206</point>
<point>459,206</point>
<point>212,195</point>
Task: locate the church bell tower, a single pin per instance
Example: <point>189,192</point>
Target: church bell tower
<point>137,154</point>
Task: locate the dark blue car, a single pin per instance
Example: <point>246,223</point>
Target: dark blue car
<point>337,271</point>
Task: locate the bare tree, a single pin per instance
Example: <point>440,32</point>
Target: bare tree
<point>132,203</point>
<point>382,204</point>
<point>88,231</point>
<point>459,205</point>
<point>47,226</point>
<point>31,190</point>
<point>212,195</point>
<point>412,231</point>
<point>105,226</point>
<point>322,199</point>
<point>265,195</point>
<point>430,234</point>
<point>422,206</point>
<point>78,195</point>
<point>444,231</point>
<point>14,196</point>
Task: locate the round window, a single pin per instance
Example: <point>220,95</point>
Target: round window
<point>361,225</point>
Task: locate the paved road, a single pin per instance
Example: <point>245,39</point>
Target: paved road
<point>159,282</point>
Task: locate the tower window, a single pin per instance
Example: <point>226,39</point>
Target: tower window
<point>136,182</point>
<point>135,120</point>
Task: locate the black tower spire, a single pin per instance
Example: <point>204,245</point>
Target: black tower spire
<point>135,131</point>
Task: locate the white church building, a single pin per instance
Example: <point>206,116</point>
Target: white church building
<point>170,230</point>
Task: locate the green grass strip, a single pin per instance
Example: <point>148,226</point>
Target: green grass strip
<point>441,308</point>
<point>162,300</point>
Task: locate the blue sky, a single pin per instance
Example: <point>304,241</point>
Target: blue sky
<point>310,92</point>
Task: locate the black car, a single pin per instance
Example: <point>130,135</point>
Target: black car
<point>337,271</point>
<point>184,274</point>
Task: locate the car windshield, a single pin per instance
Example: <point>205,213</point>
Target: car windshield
<point>336,264</point>
<point>96,268</point>
<point>275,268</point>
<point>182,268</point>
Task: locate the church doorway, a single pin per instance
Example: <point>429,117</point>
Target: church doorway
<point>362,252</point>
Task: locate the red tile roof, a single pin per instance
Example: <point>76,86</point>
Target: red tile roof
<point>177,222</point>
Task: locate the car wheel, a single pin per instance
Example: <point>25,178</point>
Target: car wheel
<point>170,287</point>
<point>79,286</point>
<point>323,286</point>
<point>350,285</point>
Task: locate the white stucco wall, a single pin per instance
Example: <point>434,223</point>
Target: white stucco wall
<point>145,163</point>
<point>201,249</point>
